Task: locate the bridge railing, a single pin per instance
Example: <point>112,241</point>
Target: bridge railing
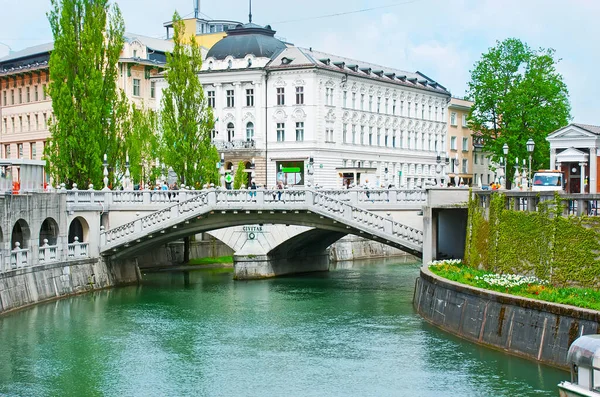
<point>19,257</point>
<point>391,197</point>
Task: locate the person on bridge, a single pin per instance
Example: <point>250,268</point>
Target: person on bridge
<point>279,190</point>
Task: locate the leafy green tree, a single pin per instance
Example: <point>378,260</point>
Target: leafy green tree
<point>241,176</point>
<point>141,143</point>
<point>89,112</point>
<point>186,120</point>
<point>517,95</point>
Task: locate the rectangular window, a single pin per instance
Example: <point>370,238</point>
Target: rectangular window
<point>28,123</point>
<point>465,144</point>
<point>300,131</point>
<point>36,96</point>
<point>211,99</point>
<point>5,126</point>
<point>370,136</point>
<point>136,87</point>
<point>32,151</point>
<point>45,121</point>
<point>153,89</point>
<point>12,119</point>
<point>362,101</point>
<point>20,95</point>
<point>28,94</point>
<point>453,119</point>
<point>378,104</point>
<point>408,108</point>
<point>280,132</point>
<point>354,134</point>
<point>475,158</point>
<point>12,97</point>
<point>453,143</point>
<point>230,98</point>
<point>394,107</point>
<point>464,120</point>
<point>299,95</point>
<point>354,100</point>
<point>370,103</point>
<point>7,151</point>
<point>345,99</point>
<point>378,136</point>
<point>464,166</point>
<point>37,123</point>
<point>250,97</point>
<point>19,150</point>
<point>20,124</point>
<point>344,133</point>
<point>401,108</point>
<point>362,134</point>
<point>44,92</point>
<point>280,96</point>
<point>387,101</point>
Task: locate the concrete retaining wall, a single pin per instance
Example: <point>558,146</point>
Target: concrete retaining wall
<point>533,329</point>
<point>26,286</point>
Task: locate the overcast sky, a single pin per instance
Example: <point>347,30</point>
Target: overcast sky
<point>440,38</point>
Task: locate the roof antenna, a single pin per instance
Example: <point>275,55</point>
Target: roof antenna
<point>197,9</point>
<point>250,14</point>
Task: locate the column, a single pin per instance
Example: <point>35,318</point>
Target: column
<point>582,182</point>
<point>552,159</point>
<point>593,171</point>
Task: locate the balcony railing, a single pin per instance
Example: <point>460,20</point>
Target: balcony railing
<point>235,145</point>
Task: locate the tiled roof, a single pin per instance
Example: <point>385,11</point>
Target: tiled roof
<point>594,129</point>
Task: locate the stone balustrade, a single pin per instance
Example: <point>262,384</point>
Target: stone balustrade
<point>47,253</point>
<point>371,198</point>
<point>352,216</point>
<point>18,257</point>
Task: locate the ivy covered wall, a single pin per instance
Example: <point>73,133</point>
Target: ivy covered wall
<point>544,243</point>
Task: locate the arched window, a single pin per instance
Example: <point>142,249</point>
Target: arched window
<point>230,132</point>
<point>250,131</point>
<point>229,64</point>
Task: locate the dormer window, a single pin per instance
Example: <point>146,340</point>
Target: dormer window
<point>413,80</point>
<point>354,68</point>
<point>340,65</point>
<point>423,82</point>
<point>325,61</point>
<point>229,64</point>
<point>403,78</point>
<point>366,70</point>
<point>135,53</point>
<point>249,62</point>
<point>210,65</point>
<point>286,61</point>
<point>378,72</point>
<point>390,75</point>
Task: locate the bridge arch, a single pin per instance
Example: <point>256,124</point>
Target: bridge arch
<point>49,231</point>
<point>79,228</point>
<point>20,234</point>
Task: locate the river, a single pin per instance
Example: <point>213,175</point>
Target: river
<point>349,332</point>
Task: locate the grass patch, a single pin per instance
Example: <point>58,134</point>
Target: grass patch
<point>515,285</point>
<point>210,260</point>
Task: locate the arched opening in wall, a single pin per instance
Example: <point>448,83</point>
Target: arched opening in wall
<point>20,234</point>
<point>1,238</point>
<point>230,132</point>
<point>49,231</point>
<point>248,169</point>
<point>229,166</point>
<point>78,228</point>
<point>104,220</point>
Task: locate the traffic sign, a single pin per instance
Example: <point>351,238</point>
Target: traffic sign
<point>228,178</point>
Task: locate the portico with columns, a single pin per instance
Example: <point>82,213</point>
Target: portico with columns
<point>574,150</point>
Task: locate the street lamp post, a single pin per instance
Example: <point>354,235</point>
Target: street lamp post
<point>222,171</point>
<point>505,151</point>
<point>530,148</point>
<point>105,172</point>
<point>310,169</point>
<point>127,173</point>
<point>456,177</point>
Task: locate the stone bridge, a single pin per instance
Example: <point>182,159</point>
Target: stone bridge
<point>331,218</point>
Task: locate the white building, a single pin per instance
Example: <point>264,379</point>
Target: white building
<point>359,123</point>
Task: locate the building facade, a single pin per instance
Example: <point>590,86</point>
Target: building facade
<point>308,117</point>
<point>460,141</point>
<point>574,150</point>
<point>25,107</point>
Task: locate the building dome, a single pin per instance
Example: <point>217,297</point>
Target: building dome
<point>247,39</point>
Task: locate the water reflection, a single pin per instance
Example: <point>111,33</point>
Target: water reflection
<point>349,332</point>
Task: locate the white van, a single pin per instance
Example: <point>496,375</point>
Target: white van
<point>548,180</point>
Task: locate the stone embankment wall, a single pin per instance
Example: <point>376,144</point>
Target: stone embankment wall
<point>26,286</point>
<point>353,247</point>
<point>533,329</point>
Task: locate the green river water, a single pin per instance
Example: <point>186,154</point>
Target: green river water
<point>349,332</point>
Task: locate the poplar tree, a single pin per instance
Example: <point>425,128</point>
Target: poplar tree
<point>89,112</point>
<point>518,94</point>
<point>186,120</point>
<point>241,176</point>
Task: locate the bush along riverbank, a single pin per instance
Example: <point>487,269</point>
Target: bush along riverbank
<point>525,286</point>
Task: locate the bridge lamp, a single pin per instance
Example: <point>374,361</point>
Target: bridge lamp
<point>505,151</point>
<point>105,172</point>
<point>530,148</point>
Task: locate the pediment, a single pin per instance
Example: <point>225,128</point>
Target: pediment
<point>570,132</point>
<point>571,155</point>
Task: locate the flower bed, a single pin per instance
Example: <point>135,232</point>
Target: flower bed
<point>526,286</point>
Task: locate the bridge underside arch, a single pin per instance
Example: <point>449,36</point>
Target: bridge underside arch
<point>326,229</point>
<point>308,242</point>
